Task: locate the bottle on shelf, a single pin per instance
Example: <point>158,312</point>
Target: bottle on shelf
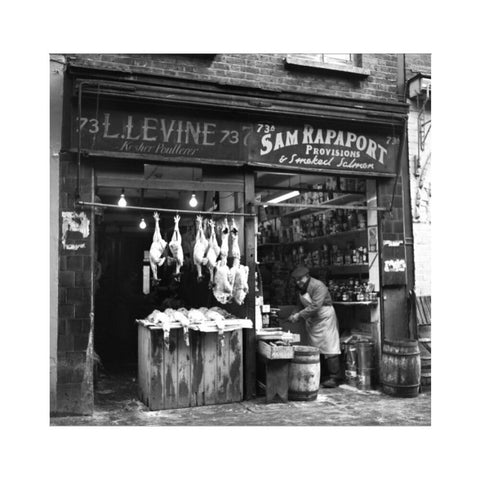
<point>351,290</point>
<point>352,220</point>
<point>327,225</point>
<point>364,255</point>
<point>344,221</point>
<point>362,224</point>
<point>340,257</point>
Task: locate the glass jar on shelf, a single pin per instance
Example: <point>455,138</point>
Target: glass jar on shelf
<point>364,256</point>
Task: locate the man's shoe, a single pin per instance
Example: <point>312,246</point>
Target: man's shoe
<point>330,383</point>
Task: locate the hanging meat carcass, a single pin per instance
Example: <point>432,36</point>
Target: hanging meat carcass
<point>224,238</point>
<point>157,249</point>
<point>240,282</point>
<point>222,288</point>
<point>222,281</point>
<point>235,245</point>
<point>238,272</point>
<point>200,248</point>
<point>175,246</point>
<point>213,250</point>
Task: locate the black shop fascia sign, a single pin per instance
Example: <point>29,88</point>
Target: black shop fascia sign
<point>155,132</point>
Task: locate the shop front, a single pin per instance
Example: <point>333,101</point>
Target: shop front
<point>226,192</point>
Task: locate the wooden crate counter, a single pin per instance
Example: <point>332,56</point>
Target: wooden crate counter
<point>208,371</point>
<point>273,363</point>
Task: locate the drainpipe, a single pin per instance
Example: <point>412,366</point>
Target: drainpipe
<point>79,143</point>
<point>407,208</point>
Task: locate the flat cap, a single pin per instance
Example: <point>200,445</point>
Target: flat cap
<point>300,271</point>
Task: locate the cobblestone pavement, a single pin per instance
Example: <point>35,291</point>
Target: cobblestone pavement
<point>116,403</point>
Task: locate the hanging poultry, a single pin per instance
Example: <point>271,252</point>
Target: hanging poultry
<point>157,249</point>
<point>224,238</point>
<point>200,248</point>
<point>240,282</point>
<point>213,250</point>
<point>236,254</point>
<point>175,246</point>
<point>222,281</point>
<point>238,272</point>
<point>222,285</point>
<point>235,245</point>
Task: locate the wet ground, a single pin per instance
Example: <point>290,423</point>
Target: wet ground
<point>116,403</point>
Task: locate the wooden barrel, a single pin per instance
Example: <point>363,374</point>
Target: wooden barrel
<point>304,373</point>
<point>426,375</point>
<point>400,368</point>
<point>425,345</point>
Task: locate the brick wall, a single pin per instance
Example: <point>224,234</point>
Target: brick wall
<point>75,329</point>
<point>265,71</point>
<point>423,255</point>
<point>418,62</point>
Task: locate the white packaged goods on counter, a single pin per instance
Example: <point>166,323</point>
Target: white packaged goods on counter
<point>277,334</point>
<point>201,319</point>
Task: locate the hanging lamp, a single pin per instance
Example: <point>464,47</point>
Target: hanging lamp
<point>122,202</point>
<point>142,224</point>
<point>193,201</point>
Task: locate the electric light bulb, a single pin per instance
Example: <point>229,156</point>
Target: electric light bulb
<point>122,202</point>
<point>193,201</point>
<point>142,224</point>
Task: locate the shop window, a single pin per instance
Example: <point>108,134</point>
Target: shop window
<point>347,63</point>
<point>311,220</point>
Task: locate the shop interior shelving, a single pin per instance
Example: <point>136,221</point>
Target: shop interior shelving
<point>331,236</point>
<point>334,203</point>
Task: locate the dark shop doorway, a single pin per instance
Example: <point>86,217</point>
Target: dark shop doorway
<point>119,299</point>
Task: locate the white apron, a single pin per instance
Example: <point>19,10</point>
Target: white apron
<point>322,328</point>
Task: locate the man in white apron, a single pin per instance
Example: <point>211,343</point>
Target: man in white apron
<point>320,321</point>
